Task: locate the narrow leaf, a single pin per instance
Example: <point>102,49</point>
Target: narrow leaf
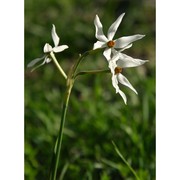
<point>124,160</point>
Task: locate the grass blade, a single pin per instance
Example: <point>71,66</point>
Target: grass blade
<point>124,160</point>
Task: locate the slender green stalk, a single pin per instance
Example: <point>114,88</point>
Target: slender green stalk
<point>92,72</point>
<point>124,160</point>
<point>81,57</point>
<point>70,82</point>
<point>57,65</point>
<point>60,135</point>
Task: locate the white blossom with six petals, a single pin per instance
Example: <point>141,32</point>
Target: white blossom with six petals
<point>107,42</point>
<point>116,65</point>
<point>48,48</point>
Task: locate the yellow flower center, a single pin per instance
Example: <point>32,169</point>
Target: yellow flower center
<point>110,44</point>
<point>118,70</point>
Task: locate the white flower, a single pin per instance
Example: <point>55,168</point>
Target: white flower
<point>48,48</point>
<point>107,42</point>
<point>116,65</point>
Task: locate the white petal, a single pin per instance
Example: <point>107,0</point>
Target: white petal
<point>123,80</point>
<point>114,51</point>
<point>112,65</point>
<point>99,44</point>
<point>47,48</point>
<point>33,62</point>
<point>60,48</point>
<point>39,65</point>
<point>47,59</point>
<point>115,85</point>
<point>113,28</point>
<point>126,47</point>
<point>99,30</point>
<point>116,55</point>
<point>126,40</point>
<point>54,36</point>
<point>126,61</point>
<point>123,96</point>
<point>107,53</point>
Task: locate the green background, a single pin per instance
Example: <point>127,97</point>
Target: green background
<point>96,114</point>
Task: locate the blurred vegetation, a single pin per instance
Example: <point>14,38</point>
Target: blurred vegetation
<point>96,114</point>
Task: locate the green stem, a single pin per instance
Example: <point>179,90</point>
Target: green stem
<point>70,81</point>
<point>60,135</point>
<point>81,57</point>
<point>92,72</point>
<point>57,65</point>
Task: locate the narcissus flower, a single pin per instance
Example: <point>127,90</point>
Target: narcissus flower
<point>48,48</point>
<point>107,42</point>
<point>116,65</point>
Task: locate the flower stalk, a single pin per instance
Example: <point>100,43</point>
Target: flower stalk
<point>70,82</point>
<point>58,65</point>
<point>92,72</point>
<point>57,148</point>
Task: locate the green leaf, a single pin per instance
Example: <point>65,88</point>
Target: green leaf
<point>124,160</point>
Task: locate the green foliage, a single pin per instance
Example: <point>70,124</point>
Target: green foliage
<point>96,115</point>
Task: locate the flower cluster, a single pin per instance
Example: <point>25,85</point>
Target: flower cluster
<point>113,52</point>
